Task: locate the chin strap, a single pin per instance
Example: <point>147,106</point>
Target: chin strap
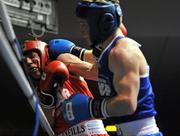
<point>97,50</point>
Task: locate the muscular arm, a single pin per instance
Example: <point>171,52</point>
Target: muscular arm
<point>88,57</point>
<point>125,67</point>
<point>82,68</point>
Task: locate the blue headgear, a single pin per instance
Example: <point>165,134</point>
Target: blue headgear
<point>103,19</point>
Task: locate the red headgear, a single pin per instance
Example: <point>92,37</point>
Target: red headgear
<point>38,46</point>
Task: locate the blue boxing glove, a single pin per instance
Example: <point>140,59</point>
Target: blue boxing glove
<point>76,109</point>
<point>80,107</point>
<point>59,46</point>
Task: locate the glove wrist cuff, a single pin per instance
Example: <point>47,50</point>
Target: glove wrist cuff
<point>78,51</point>
<point>98,108</point>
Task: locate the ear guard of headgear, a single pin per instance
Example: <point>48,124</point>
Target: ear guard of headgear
<point>103,19</point>
<point>39,47</point>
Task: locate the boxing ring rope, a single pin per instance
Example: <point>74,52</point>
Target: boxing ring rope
<point>11,59</point>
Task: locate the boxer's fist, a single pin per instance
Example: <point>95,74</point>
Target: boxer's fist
<point>76,109</point>
<point>55,74</point>
<point>80,107</point>
<point>59,46</point>
<point>55,71</point>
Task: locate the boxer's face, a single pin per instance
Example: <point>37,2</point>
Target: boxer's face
<point>84,29</point>
<point>33,64</point>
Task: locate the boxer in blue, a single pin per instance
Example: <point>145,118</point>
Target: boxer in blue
<point>125,94</point>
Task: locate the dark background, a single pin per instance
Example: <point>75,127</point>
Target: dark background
<point>155,24</point>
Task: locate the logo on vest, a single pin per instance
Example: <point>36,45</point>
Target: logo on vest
<point>104,88</point>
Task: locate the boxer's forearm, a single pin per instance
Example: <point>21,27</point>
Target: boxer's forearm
<point>77,66</point>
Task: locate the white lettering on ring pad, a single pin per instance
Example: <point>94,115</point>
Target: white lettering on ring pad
<point>85,128</point>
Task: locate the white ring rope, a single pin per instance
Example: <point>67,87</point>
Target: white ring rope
<point>13,64</point>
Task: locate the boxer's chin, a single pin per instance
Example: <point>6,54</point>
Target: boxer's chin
<point>36,75</point>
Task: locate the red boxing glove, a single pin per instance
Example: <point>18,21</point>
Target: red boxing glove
<point>123,29</point>
<point>55,73</point>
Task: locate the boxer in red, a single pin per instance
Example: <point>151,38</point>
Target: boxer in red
<point>54,83</point>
